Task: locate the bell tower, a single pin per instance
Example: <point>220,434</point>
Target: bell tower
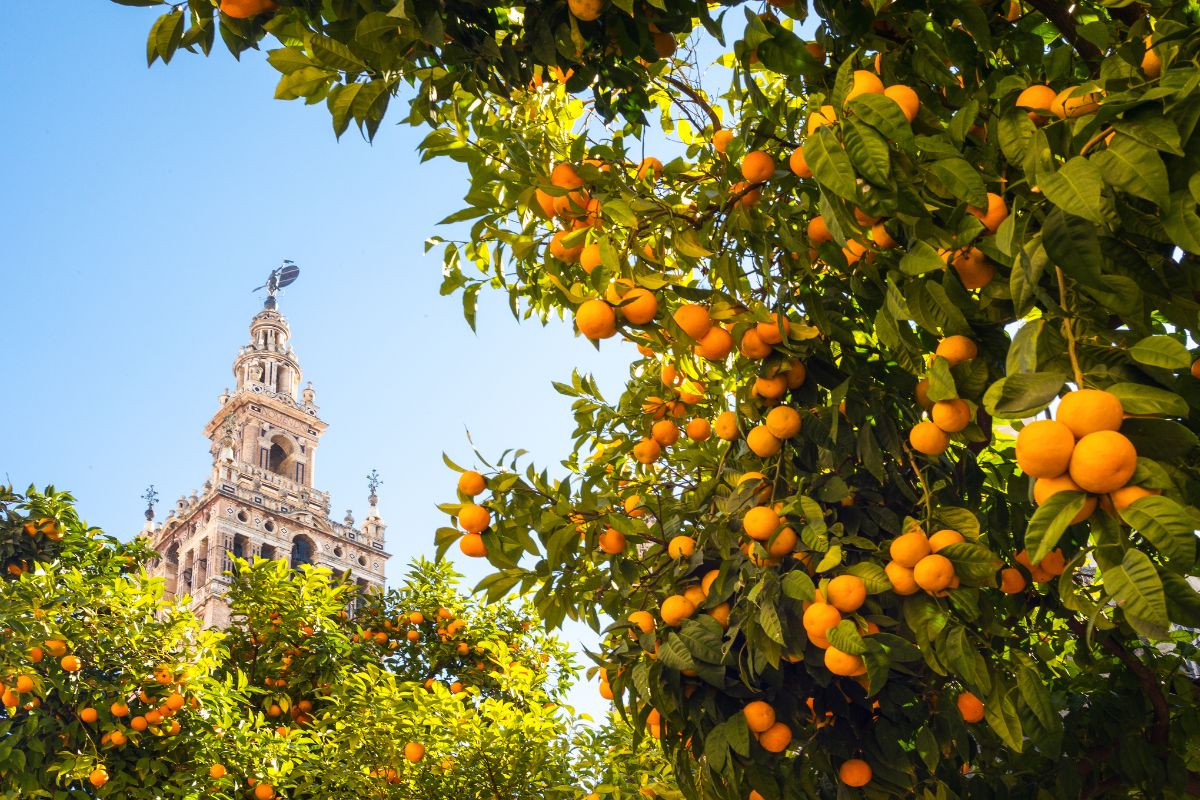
<point>260,498</point>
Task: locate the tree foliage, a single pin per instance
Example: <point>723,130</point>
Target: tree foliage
<point>981,211</point>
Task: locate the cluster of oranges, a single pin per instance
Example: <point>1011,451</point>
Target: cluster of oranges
<point>26,683</point>
<point>473,518</point>
<point>917,565</point>
<point>932,436</point>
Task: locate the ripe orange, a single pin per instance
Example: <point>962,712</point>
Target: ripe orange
<point>853,251</point>
<point>818,619</point>
<point>909,548</point>
<point>1038,97</point>
<point>762,442</point>
<point>775,331</point>
<point>564,176</point>
<point>757,166</point>
<point>1086,411</point>
<point>471,483</point>
<point>721,614</point>
<point>139,723</point>
<point>726,426</point>
<point>647,451</point>
<point>471,545</point>
<point>245,9</point>
<point>752,345</point>
<point>642,620</point>
<point>216,771</point>
<point>901,578</point>
<point>771,388</point>
<point>71,663</point>
<point>996,212</point>
<point>933,573</point>
<point>825,115</point>
<point>974,268</point>
<point>921,392</point>
<point>675,609</point>
<point>98,777</point>
<point>846,593</point>
<point>759,715</point>
<point>562,251</point>
<point>760,523</point>
<point>783,422</point>
<point>906,98</point>
<point>1045,488</point>
<point>634,507</point>
<point>722,139</point>
<point>956,349</point>
<point>715,345</point>
<point>1012,581</point>
<point>782,543</point>
<point>118,709</point>
<point>88,715</point>
<point>56,647</point>
<point>776,738</point>
<point>586,10</point>
<point>414,751</point>
<point>855,772</point>
<point>650,166</point>
<point>605,690</point>
<point>844,664</point>
<point>681,547</point>
<point>970,706</point>
<point>882,239</point>
<point>693,320</point>
<point>927,438</point>
<point>1122,498</point>
<point>1044,448</point>
<point>944,538</point>
<point>818,231</point>
<point>951,415</point>
<point>612,541</point>
<point>596,319</point>
<point>473,518</point>
<point>638,305</point>
<point>264,791</point>
<point>698,429</point>
<point>798,164</point>
<point>1073,102</point>
<point>1103,462</point>
<point>865,82</point>
<point>665,432</point>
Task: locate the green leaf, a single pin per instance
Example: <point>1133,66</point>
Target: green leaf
<point>1135,586</point>
<point>687,242</point>
<point>1167,525</point>
<point>333,53</point>
<point>941,381</point>
<point>768,618</point>
<point>1071,242</point>
<point>973,562</point>
<point>1002,718</point>
<point>1133,167</point>
<point>961,179</point>
<point>1050,521</point>
<point>884,115</point>
<point>872,575</point>
<point>1076,189</point>
<point>1037,697</point>
<point>921,258</point>
<point>868,152</point>
<point>674,654</point>
<point>1137,398</point>
<point>798,586</point>
<point>845,637</point>
<point>1022,353</point>
<point>1183,602</point>
<point>1021,396</point>
<point>1165,352</point>
<point>960,519</point>
<point>829,163</point>
<point>1181,222</point>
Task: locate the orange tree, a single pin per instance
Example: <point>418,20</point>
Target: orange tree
<point>900,497</point>
<point>108,690</point>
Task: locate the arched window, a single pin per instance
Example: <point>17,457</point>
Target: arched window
<point>302,551</point>
<point>275,459</point>
<point>267,552</point>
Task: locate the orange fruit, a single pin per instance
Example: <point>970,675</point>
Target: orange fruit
<point>716,345</point>
<point>819,618</point>
<point>471,545</point>
<point>853,251</point>
<point>882,239</point>
<point>665,432</point>
<point>647,451</point>
<point>564,176</point>
<point>473,518</point>
<point>726,426</point>
<point>721,614</point>
<point>98,777</point>
<point>944,538</point>
<point>951,415</point>
<point>956,349</point>
<point>414,751</point>
<point>589,257</point>
<point>855,772</point>
<point>1011,581</point>
<point>693,320</point>
<point>901,578</point>
<point>775,331</point>
<point>760,523</point>
<point>752,345</point>
<point>771,388</point>
<point>782,543</point>
<point>675,609</point>
<point>681,547</point>
<point>118,709</point>
<point>1151,61</point>
<point>88,715</point>
<point>643,620</point>
<point>825,115</point>
<point>844,664</point>
<point>139,723</point>
<point>56,647</point>
<point>796,374</point>
<point>1038,97</point>
<point>639,306</point>
<point>783,422</point>
<point>970,706</point>
<point>71,663</point>
<point>762,442</point>
<point>698,429</point>
<point>612,541</point>
<point>906,98</point>
<point>759,715</point>
<point>864,82</point>
<point>909,548</point>
<point>1073,102</point>
<point>798,164</point>
<point>933,573</point>
<point>245,9</point>
<point>974,268</point>
<point>1086,411</point>
<point>586,10</point>
<point>471,483</point>
<point>596,319</point>
<point>921,392</point>
<point>757,166</point>
<point>776,738</point>
<point>927,438</point>
<point>562,251</point>
<point>722,139</point>
<point>846,593</point>
<point>1045,488</point>
<point>650,166</point>
<point>216,771</point>
<point>1103,462</point>
<point>1125,496</point>
<point>996,212</point>
<point>818,231</point>
<point>1044,448</point>
<point>545,202</point>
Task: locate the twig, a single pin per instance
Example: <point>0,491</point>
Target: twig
<point>696,98</point>
<point>1067,331</point>
<point>928,496</point>
<point>1092,142</point>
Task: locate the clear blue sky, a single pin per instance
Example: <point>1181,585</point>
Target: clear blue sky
<point>138,208</point>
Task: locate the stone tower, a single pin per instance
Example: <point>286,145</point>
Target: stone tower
<point>260,498</point>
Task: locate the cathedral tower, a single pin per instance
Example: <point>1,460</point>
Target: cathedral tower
<point>260,498</point>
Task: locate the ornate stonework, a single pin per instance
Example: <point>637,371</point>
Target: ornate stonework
<point>260,498</point>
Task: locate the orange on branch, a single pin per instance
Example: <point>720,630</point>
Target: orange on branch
<point>944,538</point>
<point>1103,462</point>
<point>798,164</point>
<point>906,98</point>
<point>970,706</point>
<point>473,518</point>
<point>846,593</point>
<point>1086,411</point>
<point>1045,488</point>
<point>933,573</point>
<point>951,415</point>
<point>665,432</point>
<point>901,578</point>
<point>1034,99</point>
<point>681,547</point>
<point>698,430</point>
<point>596,319</point>
<point>928,438</point>
<point>471,544</point>
<point>726,426</point>
<point>471,483</point>
<point>776,738</point>
<point>693,320</point>
<point>844,664</point>
<point>995,213</point>
<point>752,345</point>
<point>783,422</point>
<point>760,523</point>
<point>760,715</point>
<point>758,166</point>
<point>855,773</point>
<point>762,442</point>
<point>716,345</point>
<point>675,609</point>
<point>956,349</point>
<point>722,139</point>
<point>1044,448</point>
<point>864,82</point>
<point>647,451</point>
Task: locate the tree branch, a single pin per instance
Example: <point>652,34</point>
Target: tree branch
<point>1060,17</point>
<point>696,98</point>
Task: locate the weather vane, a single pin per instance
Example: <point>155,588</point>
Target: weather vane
<point>279,278</point>
<point>373,484</point>
<point>151,497</point>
